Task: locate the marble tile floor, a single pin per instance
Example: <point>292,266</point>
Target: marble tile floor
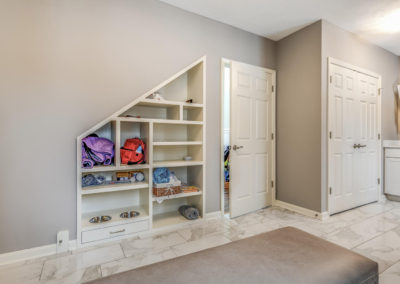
<point>372,230</point>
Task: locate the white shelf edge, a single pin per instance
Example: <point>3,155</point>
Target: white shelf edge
<point>159,164</point>
<point>177,143</point>
<point>97,169</point>
<point>179,195</point>
<point>169,103</point>
<point>165,121</point>
<point>113,188</point>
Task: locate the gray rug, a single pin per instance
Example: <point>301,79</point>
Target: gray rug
<point>286,255</point>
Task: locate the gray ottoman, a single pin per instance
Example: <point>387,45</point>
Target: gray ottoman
<point>286,255</point>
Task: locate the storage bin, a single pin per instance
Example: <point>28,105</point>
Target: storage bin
<point>164,189</point>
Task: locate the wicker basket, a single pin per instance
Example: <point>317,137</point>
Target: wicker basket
<point>165,189</point>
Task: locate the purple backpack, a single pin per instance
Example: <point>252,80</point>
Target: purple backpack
<point>96,150</point>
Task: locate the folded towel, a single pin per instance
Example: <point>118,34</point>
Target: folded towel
<point>189,212</point>
<point>161,175</point>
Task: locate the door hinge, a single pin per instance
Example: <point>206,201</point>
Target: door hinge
<point>330,79</point>
<point>273,88</point>
<point>272,136</point>
<point>330,134</point>
<point>379,136</point>
<point>272,183</point>
<point>379,91</point>
<point>330,190</point>
<point>379,181</point>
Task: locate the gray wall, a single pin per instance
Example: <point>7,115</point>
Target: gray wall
<point>345,46</point>
<point>298,118</point>
<point>65,66</point>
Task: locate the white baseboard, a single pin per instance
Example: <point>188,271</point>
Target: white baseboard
<point>26,254</point>
<point>213,215</point>
<point>302,210</point>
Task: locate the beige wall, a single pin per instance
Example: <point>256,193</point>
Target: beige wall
<point>345,46</point>
<point>65,66</point>
<point>298,118</point>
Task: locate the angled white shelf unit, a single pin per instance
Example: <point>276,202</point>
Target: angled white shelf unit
<point>172,129</point>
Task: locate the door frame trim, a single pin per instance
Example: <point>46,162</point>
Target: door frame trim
<point>341,63</point>
<point>224,62</point>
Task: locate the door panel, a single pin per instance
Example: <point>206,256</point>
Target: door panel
<point>251,124</point>
<point>353,119</point>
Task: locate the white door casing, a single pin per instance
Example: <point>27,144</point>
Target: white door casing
<point>252,127</point>
<point>354,142</point>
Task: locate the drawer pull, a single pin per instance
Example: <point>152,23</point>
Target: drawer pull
<point>116,232</point>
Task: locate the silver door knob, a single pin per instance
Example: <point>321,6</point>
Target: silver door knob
<point>235,147</point>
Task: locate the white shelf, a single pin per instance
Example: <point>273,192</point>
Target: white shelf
<point>161,103</point>
<point>116,220</point>
<point>170,219</point>
<point>113,187</point>
<point>159,164</point>
<point>177,143</point>
<point>179,195</point>
<point>166,121</point>
<point>97,169</point>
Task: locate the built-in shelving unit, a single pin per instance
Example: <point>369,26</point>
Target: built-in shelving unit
<point>172,129</point>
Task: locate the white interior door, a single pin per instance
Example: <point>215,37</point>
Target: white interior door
<point>252,146</point>
<point>354,142</point>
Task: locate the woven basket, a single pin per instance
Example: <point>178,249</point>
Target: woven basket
<point>165,189</point>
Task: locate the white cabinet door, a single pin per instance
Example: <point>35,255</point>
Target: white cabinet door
<point>354,144</point>
<point>251,128</point>
<point>392,176</point>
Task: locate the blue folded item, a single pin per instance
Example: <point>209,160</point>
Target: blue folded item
<point>90,180</point>
<point>189,212</point>
<point>161,175</point>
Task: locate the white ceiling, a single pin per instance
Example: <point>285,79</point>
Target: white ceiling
<point>378,21</point>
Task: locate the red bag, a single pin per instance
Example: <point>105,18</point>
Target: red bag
<point>133,152</point>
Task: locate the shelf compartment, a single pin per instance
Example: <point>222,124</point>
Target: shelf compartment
<point>116,219</point>
<point>113,204</point>
<point>187,86</point>
<point>111,183</point>
<point>167,153</point>
<point>130,130</point>
<point>160,121</point>
<point>150,109</point>
<point>166,213</point>
<point>177,133</point>
<point>191,176</point>
<point>106,131</point>
<point>192,113</point>
<point>114,187</point>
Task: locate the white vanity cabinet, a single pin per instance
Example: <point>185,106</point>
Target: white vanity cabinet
<point>392,167</point>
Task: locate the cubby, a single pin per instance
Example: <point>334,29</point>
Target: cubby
<point>171,128</point>
<point>130,129</point>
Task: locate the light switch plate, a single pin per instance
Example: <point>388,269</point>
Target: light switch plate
<point>62,241</point>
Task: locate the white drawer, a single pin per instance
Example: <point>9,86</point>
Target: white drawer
<point>392,153</point>
<point>114,231</point>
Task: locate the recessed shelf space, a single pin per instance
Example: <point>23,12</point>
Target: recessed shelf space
<point>113,204</point>
<point>187,86</point>
<point>164,132</point>
<point>107,131</point>
<point>165,153</point>
<point>153,110</point>
<point>166,213</point>
<point>134,129</point>
<point>192,113</point>
<point>109,182</point>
